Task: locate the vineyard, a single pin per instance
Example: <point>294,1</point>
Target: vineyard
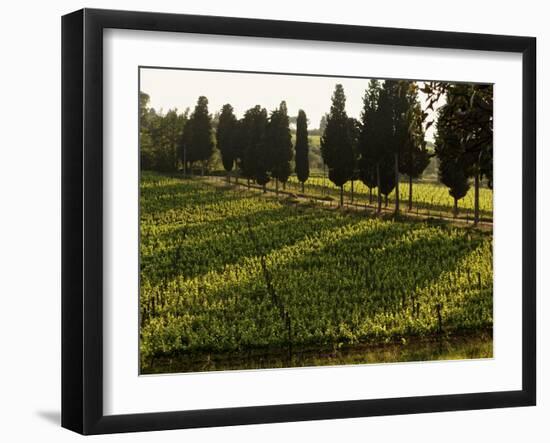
<point>430,199</point>
<point>225,270</point>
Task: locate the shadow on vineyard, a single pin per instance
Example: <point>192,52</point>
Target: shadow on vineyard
<point>343,281</point>
<point>212,250</point>
<point>330,229</point>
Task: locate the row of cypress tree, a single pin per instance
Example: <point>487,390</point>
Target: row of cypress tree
<point>260,146</point>
<point>390,138</point>
<point>388,141</point>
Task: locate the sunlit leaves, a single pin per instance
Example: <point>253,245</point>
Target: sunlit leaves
<point>344,278</point>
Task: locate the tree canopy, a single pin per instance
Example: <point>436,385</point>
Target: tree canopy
<point>337,142</point>
<point>302,147</point>
<point>452,165</point>
<point>387,141</point>
<point>226,136</point>
<point>369,144</point>
<point>159,136</point>
<point>253,161</point>
<point>278,144</point>
<point>465,134</point>
<point>200,146</point>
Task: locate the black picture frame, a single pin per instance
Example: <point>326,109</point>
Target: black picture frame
<point>82,218</point>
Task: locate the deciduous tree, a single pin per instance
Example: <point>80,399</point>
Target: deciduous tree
<point>468,116</point>
<point>452,163</point>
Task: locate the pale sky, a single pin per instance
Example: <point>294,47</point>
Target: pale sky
<point>175,88</point>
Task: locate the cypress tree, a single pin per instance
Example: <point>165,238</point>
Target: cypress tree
<point>302,148</point>
<point>368,142</point>
<point>183,146</point>
<point>354,128</point>
<point>400,129</point>
<point>200,145</point>
<point>336,143</point>
<point>254,161</point>
<point>239,147</point>
<point>394,113</point>
<point>386,141</point>
<point>226,136</point>
<point>279,146</point>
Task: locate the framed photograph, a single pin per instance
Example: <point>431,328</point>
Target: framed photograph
<point>269,221</point>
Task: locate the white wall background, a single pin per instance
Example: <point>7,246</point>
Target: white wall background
<point>30,220</point>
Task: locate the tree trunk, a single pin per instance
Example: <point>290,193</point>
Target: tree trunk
<point>248,183</point>
<point>284,186</point>
<point>410,193</point>
<point>324,178</point>
<point>184,162</point>
<point>202,169</point>
<point>456,207</point>
<point>342,196</point>
<point>396,164</point>
<point>379,194</point>
<point>264,188</point>
<point>228,177</point>
<point>386,201</point>
<point>303,187</point>
<point>476,198</point>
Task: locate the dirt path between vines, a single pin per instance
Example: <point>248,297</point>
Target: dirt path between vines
<point>290,197</point>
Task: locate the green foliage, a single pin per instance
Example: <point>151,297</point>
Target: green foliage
<point>429,197</point>
<point>253,162</point>
<point>302,147</point>
<point>387,142</point>
<point>226,136</point>
<point>199,146</point>
<point>369,141</point>
<point>342,278</point>
<point>337,142</point>
<point>159,137</point>
<point>453,166</point>
<point>452,174</point>
<point>354,130</point>
<point>468,115</point>
<point>278,144</point>
<point>323,124</point>
<point>464,142</point>
<point>414,156</point>
<point>392,135</point>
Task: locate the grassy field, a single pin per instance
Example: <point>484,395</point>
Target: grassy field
<point>227,274</point>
